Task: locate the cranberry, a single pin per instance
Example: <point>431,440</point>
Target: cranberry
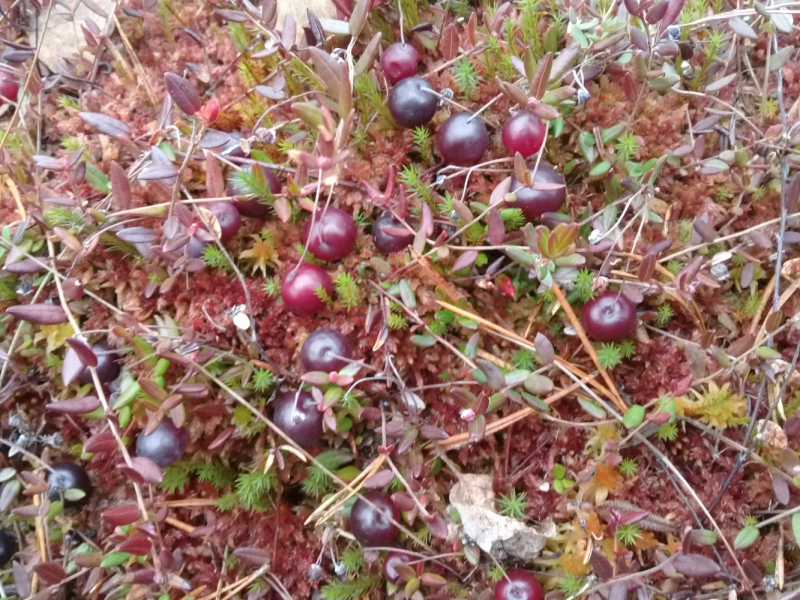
<point>462,140</point>
<point>232,147</point>
<point>254,208</point>
<point>374,527</point>
<point>69,476</point>
<point>518,585</point>
<point>399,61</point>
<point>390,565</point>
<point>334,234</point>
<point>8,87</point>
<point>107,366</point>
<point>610,317</point>
<point>299,289</point>
<point>229,219</point>
<point>409,103</point>
<point>534,203</point>
<point>524,133</point>
<point>8,547</point>
<point>297,416</point>
<point>390,242</point>
<point>165,445</point>
<point>319,348</point>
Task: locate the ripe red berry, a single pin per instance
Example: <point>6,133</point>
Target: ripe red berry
<point>334,234</point>
<point>254,208</point>
<point>534,203</point>
<point>374,527</point>
<point>390,564</point>
<point>107,363</point>
<point>8,87</point>
<point>229,219</point>
<point>299,289</point>
<point>320,347</point>
<point>518,585</point>
<point>409,103</point>
<point>524,133</point>
<point>8,547</point>
<point>387,242</point>
<point>297,416</point>
<point>610,317</point>
<point>165,445</point>
<point>399,61</point>
<point>68,476</point>
<point>462,140</point>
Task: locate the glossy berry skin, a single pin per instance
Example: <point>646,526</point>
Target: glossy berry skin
<point>253,208</point>
<point>534,203</point>
<point>373,528</point>
<point>409,103</point>
<point>165,445</point>
<point>67,476</point>
<point>610,317</point>
<point>462,140</point>
<point>524,133</point>
<point>520,585</point>
<point>386,242</point>
<point>391,561</point>
<point>319,348</point>
<point>107,364</point>
<point>8,547</point>
<point>229,219</point>
<point>297,416</point>
<point>298,289</point>
<point>333,236</point>
<point>399,61</point>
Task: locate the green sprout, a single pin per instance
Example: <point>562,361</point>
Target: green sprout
<point>609,355</point>
<point>513,505</point>
<point>628,534</point>
<point>664,314</point>
<point>628,467</point>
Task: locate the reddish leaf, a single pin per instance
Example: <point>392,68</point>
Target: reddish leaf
<point>124,514</point>
<point>695,565</point>
<point>379,479</point>
<point>315,26</point>
<point>671,14</point>
<point>75,406</point>
<point>256,556</point>
<point>120,186</point>
<point>49,163</point>
<point>497,229</point>
<point>155,172</point>
<point>38,314</point>
<point>747,274</point>
<point>137,235</point>
<point>50,573</point>
<point>500,191</point>
<point>429,432</point>
<point>229,15</point>
<point>493,373</point>
<point>640,39</point>
<point>139,544</point>
<point>465,260</point>
<point>105,124</point>
<point>182,93</point>
<point>545,349</point>
<point>647,267</point>
<point>83,350</point>
<point>149,471</point>
<point>152,389</point>
<point>793,193</point>
<point>704,230</point>
<point>450,42</point>
<point>657,11</point>
<point>438,527</point>
<point>601,566</point>
<point>629,87</point>
<point>618,591</point>
<point>22,580</point>
<point>100,442</point>
<point>781,490</point>
<point>222,438</point>
<point>288,32</point>
<point>427,219</point>
<point>26,266</point>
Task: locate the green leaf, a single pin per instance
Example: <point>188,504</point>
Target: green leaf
<point>115,559</point>
<point>74,494</point>
<point>766,352</point>
<point>423,341</point>
<point>634,417</point>
<point>612,133</point>
<point>662,84</point>
<point>559,471</point>
<point>600,168</point>
<point>97,179</point>
<point>746,537</point>
<point>777,60</point>
<point>796,527</point>
<point>592,408</point>
<point>526,259</point>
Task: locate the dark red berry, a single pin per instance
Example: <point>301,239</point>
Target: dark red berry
<point>389,242</point>
<point>374,527</point>
<point>462,140</point>
<point>524,133</point>
<point>107,363</point>
<point>229,219</point>
<point>8,547</point>
<point>320,347</point>
<point>399,61</point>
<point>299,289</point>
<point>297,416</point>
<point>253,208</point>
<point>334,234</point>
<point>165,445</point>
<point>390,565</point>
<point>409,103</point>
<point>518,585</point>
<point>232,147</point>
<point>610,317</point>
<point>534,203</point>
<point>69,476</point>
<point>8,87</point>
